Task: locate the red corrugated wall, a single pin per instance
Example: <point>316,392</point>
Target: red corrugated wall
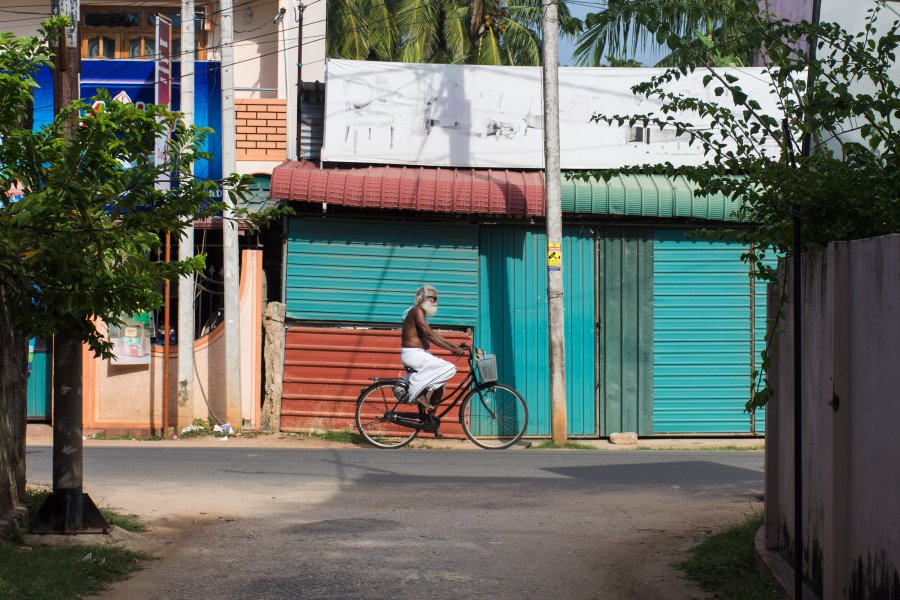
<point>325,368</point>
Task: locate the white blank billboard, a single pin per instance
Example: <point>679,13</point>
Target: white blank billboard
<point>476,116</point>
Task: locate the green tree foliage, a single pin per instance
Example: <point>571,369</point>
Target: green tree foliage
<point>612,61</point>
<point>487,32</point>
<point>620,29</point>
<point>847,186</point>
<point>79,245</point>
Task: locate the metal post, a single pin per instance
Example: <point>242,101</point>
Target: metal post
<point>550,60</point>
<point>163,93</point>
<point>186,243</point>
<point>797,249</point>
<point>753,336</point>
<point>798,408</point>
<point>167,324</point>
<point>230,249</point>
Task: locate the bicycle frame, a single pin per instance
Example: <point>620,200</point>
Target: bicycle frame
<point>454,396</point>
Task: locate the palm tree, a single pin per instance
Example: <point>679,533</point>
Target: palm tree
<point>487,32</point>
<point>361,29</point>
<point>621,28</point>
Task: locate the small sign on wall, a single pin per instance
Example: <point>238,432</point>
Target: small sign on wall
<point>131,339</point>
<point>554,257</point>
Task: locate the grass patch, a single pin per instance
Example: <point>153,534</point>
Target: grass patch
<point>63,572</point>
<point>548,445</point>
<point>344,436</point>
<point>725,565</point>
<point>727,448</point>
<point>127,522</point>
<point>102,435</point>
<point>35,497</point>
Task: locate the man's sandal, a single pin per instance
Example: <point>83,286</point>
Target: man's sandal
<point>425,404</point>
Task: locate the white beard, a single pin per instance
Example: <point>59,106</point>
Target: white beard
<point>430,308</point>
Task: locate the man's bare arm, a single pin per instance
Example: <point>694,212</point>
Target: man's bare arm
<point>427,333</point>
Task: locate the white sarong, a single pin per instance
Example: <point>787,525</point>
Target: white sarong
<point>430,373</point>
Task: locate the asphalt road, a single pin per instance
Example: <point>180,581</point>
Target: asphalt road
<point>357,523</point>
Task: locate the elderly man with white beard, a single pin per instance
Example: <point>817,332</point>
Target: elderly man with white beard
<point>426,384</point>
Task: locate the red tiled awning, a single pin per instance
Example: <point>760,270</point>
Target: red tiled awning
<point>428,189</point>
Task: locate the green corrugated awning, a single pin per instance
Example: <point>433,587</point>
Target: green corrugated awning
<point>645,196</point>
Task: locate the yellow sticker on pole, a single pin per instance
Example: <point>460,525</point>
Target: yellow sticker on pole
<point>554,257</point>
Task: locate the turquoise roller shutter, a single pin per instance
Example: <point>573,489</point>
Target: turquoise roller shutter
<point>701,337</point>
<point>368,272</point>
<point>761,327</point>
<point>512,320</point>
<point>39,382</point>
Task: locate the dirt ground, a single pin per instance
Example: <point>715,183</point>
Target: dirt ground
<point>401,539</point>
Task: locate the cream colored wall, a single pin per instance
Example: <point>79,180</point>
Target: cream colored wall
<point>23,17</point>
<point>852,16</point>
<point>120,397</point>
<point>314,41</point>
<point>851,408</point>
<point>257,43</point>
<point>253,167</point>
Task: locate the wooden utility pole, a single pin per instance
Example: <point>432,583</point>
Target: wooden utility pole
<point>185,395</point>
<point>550,60</point>
<point>230,248</point>
<point>68,509</point>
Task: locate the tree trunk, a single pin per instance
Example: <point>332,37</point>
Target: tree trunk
<point>13,403</point>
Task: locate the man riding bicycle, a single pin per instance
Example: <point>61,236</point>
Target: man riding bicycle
<point>426,383</point>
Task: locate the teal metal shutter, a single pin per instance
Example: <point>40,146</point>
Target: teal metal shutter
<point>512,320</point>
<point>701,335</point>
<point>368,272</point>
<point>761,326</point>
<point>625,334</point>
<point>39,382</point>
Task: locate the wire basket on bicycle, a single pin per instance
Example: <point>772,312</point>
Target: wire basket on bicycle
<point>487,368</point>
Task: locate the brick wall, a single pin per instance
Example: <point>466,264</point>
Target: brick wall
<point>261,128</point>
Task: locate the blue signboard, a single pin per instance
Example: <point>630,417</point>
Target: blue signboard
<point>135,78</point>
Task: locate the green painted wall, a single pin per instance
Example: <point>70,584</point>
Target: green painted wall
<point>368,272</point>
<point>625,334</point>
<point>512,320</point>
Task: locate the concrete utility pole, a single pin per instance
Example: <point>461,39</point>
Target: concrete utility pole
<point>68,509</point>
<point>186,244</point>
<point>230,250</point>
<point>550,60</point>
<point>297,153</point>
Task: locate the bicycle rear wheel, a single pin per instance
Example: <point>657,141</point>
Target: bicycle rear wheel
<point>374,409</point>
<point>494,416</point>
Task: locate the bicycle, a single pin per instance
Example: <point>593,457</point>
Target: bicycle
<point>493,415</point>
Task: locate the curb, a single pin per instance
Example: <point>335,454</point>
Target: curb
<point>771,562</point>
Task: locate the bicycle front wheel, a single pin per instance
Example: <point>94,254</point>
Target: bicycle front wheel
<point>494,416</point>
<point>374,410</point>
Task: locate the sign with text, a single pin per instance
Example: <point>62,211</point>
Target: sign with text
<point>554,257</point>
<point>480,116</point>
<point>131,339</point>
<point>163,85</point>
<point>163,60</point>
